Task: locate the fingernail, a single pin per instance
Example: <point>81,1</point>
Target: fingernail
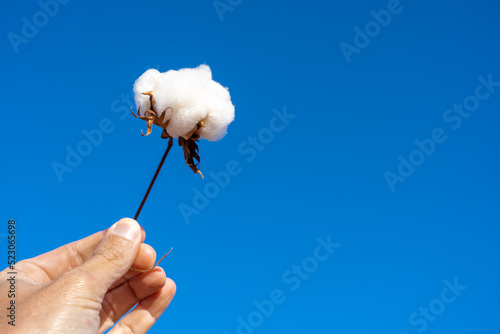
<point>127,228</point>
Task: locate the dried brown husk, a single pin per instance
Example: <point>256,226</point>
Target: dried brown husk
<point>188,141</point>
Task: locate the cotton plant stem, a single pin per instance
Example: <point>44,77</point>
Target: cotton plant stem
<point>170,142</point>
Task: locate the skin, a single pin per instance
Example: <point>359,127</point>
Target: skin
<point>87,286</point>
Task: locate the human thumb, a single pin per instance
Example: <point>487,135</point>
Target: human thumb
<point>114,256</point>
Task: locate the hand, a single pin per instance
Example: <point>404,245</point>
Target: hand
<point>86,286</point>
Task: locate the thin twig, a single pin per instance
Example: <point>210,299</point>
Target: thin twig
<point>156,264</point>
<point>170,142</point>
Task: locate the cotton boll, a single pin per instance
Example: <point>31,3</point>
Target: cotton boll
<point>187,97</point>
<point>188,105</point>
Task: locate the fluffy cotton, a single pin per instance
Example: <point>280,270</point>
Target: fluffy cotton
<point>187,96</point>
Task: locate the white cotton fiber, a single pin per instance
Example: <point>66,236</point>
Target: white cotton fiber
<point>187,96</point>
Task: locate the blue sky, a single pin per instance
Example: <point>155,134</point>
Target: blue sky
<point>370,127</point>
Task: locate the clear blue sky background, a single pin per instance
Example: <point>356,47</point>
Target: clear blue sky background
<point>322,175</point>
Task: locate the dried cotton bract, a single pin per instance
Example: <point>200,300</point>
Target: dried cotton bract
<point>187,104</point>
